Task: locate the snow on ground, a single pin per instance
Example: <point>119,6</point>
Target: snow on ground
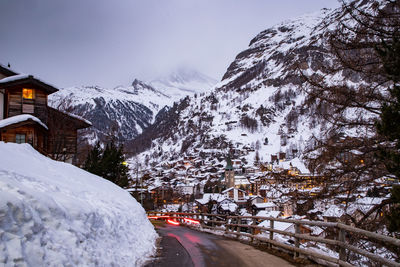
<point>55,214</point>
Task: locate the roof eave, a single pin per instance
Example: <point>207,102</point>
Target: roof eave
<point>30,79</point>
<point>7,71</point>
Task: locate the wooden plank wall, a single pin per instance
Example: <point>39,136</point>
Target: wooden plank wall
<point>41,106</point>
<point>34,136</point>
<point>62,134</point>
<point>16,102</point>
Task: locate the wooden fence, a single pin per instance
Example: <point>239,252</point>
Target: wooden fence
<point>237,226</point>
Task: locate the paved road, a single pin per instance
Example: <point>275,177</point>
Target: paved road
<point>181,246</point>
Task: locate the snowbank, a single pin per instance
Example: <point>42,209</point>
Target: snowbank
<point>55,214</point>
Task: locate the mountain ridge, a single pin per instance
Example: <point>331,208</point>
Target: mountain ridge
<point>122,112</point>
<point>259,98</point>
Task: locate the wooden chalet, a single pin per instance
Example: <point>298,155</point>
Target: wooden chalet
<point>25,117</point>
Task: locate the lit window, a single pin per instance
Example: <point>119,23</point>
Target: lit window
<point>20,138</point>
<point>28,93</point>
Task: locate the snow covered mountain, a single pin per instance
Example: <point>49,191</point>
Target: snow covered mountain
<point>122,112</point>
<point>183,82</point>
<point>259,107</point>
<point>125,111</point>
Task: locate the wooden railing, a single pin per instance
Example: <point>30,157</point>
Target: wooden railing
<point>233,226</point>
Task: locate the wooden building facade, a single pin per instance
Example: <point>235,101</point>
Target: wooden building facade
<point>25,117</point>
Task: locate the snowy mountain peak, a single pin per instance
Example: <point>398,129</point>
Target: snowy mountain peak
<point>182,82</point>
<point>129,109</point>
<point>139,84</point>
<point>184,75</point>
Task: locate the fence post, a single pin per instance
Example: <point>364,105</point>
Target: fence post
<point>202,220</point>
<point>226,224</point>
<point>212,221</point>
<point>239,221</point>
<point>296,239</point>
<point>271,234</point>
<point>342,239</point>
<point>253,230</point>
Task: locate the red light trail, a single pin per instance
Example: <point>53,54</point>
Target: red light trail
<point>191,221</point>
<point>172,222</point>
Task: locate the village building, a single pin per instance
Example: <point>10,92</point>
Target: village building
<point>334,213</point>
<point>237,195</point>
<point>185,189</point>
<point>25,117</point>
<point>229,174</point>
<point>227,206</point>
<point>209,202</point>
<point>255,199</point>
<point>266,206</point>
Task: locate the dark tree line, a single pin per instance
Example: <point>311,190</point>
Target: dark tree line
<point>249,123</point>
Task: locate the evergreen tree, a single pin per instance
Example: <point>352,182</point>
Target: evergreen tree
<point>92,163</point>
<point>108,163</point>
<point>394,214</point>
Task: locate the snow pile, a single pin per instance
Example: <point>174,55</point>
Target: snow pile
<point>55,214</point>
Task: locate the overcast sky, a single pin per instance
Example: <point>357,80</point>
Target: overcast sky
<point>111,42</point>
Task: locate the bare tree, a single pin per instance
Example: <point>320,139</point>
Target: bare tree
<point>351,94</point>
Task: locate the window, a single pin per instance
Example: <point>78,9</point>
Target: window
<point>20,138</point>
<point>28,93</point>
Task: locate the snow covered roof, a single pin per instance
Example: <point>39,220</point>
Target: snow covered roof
<point>79,118</point>
<point>232,188</point>
<point>210,196</point>
<point>14,78</point>
<point>364,204</point>
<point>370,200</point>
<point>23,79</point>
<point>255,196</point>
<point>282,226</point>
<point>242,181</point>
<point>333,211</point>
<point>316,230</point>
<point>20,118</point>
<point>229,207</point>
<point>7,71</point>
<point>273,213</point>
<point>297,163</point>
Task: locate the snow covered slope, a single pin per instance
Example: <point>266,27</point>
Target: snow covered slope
<point>122,112</point>
<point>55,214</point>
<point>183,82</point>
<point>259,106</point>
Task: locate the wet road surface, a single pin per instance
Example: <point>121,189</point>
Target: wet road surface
<point>181,246</point>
